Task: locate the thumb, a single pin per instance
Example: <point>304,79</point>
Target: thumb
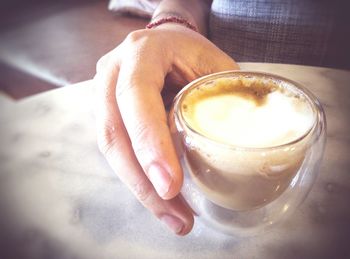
<point>198,58</point>
<point>212,59</point>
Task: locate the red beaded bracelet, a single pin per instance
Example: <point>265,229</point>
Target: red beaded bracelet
<point>173,19</point>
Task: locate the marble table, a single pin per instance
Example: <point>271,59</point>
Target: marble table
<point>59,198</point>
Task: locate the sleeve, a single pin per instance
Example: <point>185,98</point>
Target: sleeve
<point>141,8</point>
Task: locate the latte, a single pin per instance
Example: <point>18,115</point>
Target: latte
<point>247,138</point>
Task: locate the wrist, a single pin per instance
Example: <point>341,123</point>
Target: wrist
<point>194,11</point>
<point>171,19</point>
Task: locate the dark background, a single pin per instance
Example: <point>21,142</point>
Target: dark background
<point>48,44</point>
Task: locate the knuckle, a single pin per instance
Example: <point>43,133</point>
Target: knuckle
<point>141,133</point>
<point>143,191</point>
<point>107,137</point>
<point>135,36</point>
<point>148,146</point>
<point>101,63</point>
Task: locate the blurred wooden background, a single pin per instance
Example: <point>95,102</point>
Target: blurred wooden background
<point>49,44</point>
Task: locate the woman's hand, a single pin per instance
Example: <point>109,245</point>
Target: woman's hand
<point>131,120</point>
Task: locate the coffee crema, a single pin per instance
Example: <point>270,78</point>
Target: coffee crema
<point>258,136</point>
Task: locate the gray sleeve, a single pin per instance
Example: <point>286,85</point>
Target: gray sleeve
<point>282,31</point>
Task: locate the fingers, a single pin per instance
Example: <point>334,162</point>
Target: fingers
<point>140,102</point>
<point>115,144</point>
<point>132,124</point>
<point>217,61</point>
<point>138,95</point>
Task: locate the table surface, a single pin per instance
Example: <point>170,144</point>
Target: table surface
<point>60,199</point>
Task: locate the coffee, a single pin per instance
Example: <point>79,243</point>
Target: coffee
<point>249,138</point>
<point>247,113</point>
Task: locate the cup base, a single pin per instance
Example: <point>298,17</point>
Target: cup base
<point>236,223</point>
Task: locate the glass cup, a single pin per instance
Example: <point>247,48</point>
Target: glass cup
<point>245,190</point>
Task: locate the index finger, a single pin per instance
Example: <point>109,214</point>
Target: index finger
<point>141,106</point>
<point>115,145</point>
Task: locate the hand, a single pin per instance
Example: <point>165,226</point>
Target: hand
<point>131,120</point>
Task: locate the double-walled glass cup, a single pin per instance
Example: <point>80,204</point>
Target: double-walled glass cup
<point>245,190</point>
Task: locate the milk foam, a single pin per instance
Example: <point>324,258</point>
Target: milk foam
<point>239,121</point>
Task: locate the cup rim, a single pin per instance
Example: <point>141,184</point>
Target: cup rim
<point>311,98</point>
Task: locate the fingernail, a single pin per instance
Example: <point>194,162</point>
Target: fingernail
<point>173,223</point>
<point>160,179</point>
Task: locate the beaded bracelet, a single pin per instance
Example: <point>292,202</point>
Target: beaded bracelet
<point>172,19</point>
